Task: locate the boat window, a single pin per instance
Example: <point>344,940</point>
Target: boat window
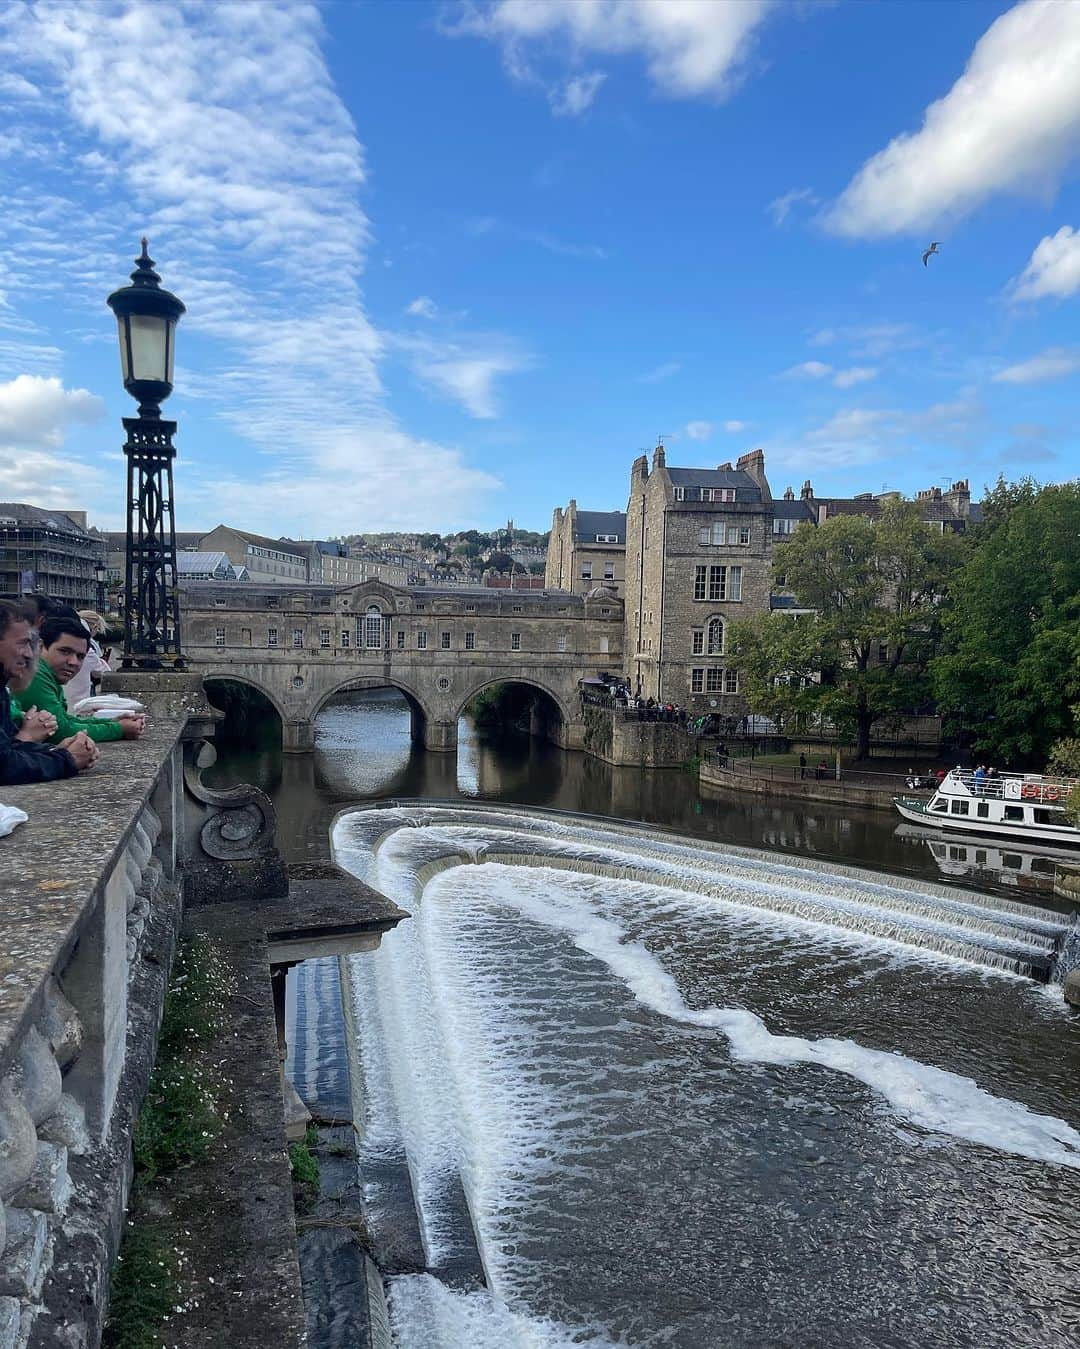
<point>1043,866</point>
<point>959,807</point>
<point>958,854</point>
<point>942,807</point>
<point>1013,861</point>
<point>1045,816</point>
<point>980,857</point>
<point>1014,812</point>
<point>982,809</point>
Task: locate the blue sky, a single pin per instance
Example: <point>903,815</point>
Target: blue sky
<point>449,263</point>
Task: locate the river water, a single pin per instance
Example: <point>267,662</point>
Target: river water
<point>699,1093</point>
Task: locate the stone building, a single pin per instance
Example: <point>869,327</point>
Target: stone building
<point>266,559</point>
<point>698,556</point>
<point>586,549</point>
<point>51,552</point>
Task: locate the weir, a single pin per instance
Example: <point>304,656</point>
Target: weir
<point>510,1039</point>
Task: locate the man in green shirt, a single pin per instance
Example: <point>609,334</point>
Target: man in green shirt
<point>64,644</point>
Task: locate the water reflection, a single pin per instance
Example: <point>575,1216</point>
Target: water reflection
<point>364,749</point>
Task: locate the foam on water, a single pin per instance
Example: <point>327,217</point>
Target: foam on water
<point>425,1313</point>
<point>933,1098</point>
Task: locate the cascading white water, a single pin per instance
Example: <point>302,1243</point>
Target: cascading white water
<point>522,1030</point>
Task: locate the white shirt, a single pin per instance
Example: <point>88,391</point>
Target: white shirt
<point>79,686</point>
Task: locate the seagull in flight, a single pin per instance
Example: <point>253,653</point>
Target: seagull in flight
<point>926,256</point>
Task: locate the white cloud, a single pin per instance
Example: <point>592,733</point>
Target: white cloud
<point>856,374</point>
<point>699,430</point>
<point>872,339</point>
<point>849,424</point>
<point>734,426</point>
<point>422,307</point>
<point>1010,123</point>
<point>781,207</point>
<point>561,248</point>
<point>470,380</point>
<point>659,372</point>
<point>577,94</point>
<point>1053,363</point>
<point>35,413</point>
<point>808,370</point>
<point>1054,268</point>
<point>692,48</point>
<point>244,167</point>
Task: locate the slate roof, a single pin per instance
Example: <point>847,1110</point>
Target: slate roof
<point>794,510</point>
<point>36,515</point>
<point>746,489</point>
<point>591,523</point>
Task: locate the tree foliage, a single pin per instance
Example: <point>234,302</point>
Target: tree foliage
<point>875,589</point>
<point>1011,675</point>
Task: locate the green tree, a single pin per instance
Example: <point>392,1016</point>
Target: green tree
<point>1010,674</point>
<point>875,591</point>
<point>1065,759</point>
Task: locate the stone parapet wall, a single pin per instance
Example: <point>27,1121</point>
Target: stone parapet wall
<point>82,883</point>
<point>620,738</point>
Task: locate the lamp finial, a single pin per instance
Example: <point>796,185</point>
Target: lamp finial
<point>144,274</point>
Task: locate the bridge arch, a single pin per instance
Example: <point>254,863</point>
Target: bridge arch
<point>229,676</point>
<point>362,681</point>
<point>512,677</point>
<point>548,714</point>
<point>419,713</point>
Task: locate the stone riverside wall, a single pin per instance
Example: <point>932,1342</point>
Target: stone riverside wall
<point>620,738</point>
<point>711,775</point>
<point>1067,882</point>
<point>91,890</point>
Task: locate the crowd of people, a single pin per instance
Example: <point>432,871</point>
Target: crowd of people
<point>50,658</point>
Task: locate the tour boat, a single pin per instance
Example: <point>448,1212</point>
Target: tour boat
<point>1011,805</point>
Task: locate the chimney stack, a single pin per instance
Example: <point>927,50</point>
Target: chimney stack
<point>753,465</point>
<point>658,458</point>
<point>807,493</point>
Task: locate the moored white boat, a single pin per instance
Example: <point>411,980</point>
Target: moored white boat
<point>1012,805</point>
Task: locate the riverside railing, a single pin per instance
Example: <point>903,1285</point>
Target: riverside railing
<point>885,781</point>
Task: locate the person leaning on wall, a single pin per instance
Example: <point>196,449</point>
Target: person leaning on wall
<point>23,756</point>
<point>65,643</point>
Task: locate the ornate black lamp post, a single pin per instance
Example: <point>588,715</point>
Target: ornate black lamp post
<point>147,316</point>
<point>100,573</point>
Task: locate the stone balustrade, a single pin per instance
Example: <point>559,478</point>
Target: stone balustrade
<point>91,890</point>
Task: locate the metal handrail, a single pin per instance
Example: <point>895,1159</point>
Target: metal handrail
<point>749,767</point>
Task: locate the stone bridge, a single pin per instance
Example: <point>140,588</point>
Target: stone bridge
<point>300,645</point>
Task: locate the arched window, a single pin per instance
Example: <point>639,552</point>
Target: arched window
<point>716,636</point>
<point>373,628</point>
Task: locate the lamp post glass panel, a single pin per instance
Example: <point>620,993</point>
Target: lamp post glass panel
<point>146,318</point>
